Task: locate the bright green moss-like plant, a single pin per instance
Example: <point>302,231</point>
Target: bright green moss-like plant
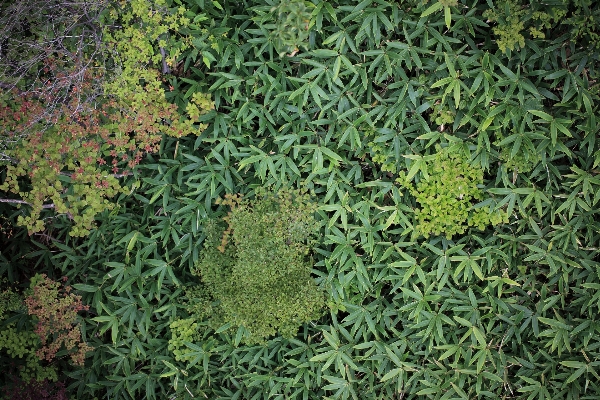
<point>447,196</point>
<point>182,330</point>
<point>257,267</point>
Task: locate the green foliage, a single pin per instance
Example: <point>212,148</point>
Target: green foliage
<point>446,192</point>
<point>23,345</point>
<point>288,24</point>
<point>510,25</point>
<point>259,273</point>
<point>584,23</point>
<point>524,159</point>
<point>9,300</point>
<point>134,86</point>
<point>380,91</point>
<point>442,116</point>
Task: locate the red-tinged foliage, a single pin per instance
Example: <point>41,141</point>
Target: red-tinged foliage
<point>77,129</point>
<point>64,150</point>
<point>56,308</point>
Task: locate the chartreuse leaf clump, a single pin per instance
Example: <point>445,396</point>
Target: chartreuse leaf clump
<point>447,194</point>
<point>513,20</point>
<point>182,330</point>
<point>257,267</point>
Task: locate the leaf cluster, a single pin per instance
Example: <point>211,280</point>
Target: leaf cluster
<point>257,269</point>
<point>446,193</point>
<point>55,310</point>
<point>381,90</point>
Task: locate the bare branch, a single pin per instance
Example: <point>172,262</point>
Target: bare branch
<point>47,237</point>
<point>15,201</point>
<point>124,174</point>
<point>165,67</point>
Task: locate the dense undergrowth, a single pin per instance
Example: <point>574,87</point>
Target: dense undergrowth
<point>451,159</point>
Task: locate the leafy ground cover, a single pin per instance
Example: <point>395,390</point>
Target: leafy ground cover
<point>449,158</point>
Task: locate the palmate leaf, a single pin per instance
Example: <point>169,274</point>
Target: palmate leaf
<point>474,315</point>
